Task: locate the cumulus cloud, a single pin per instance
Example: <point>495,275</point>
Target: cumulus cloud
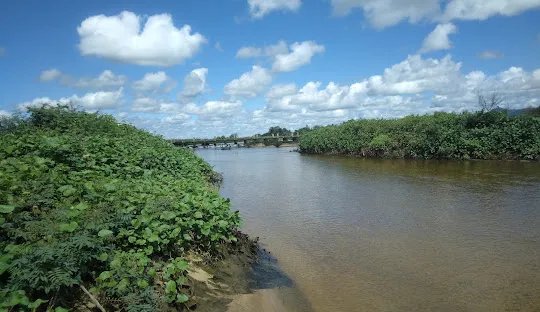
<point>147,104</point>
<point>413,86</point>
<point>259,8</point>
<point>214,109</point>
<point>154,82</point>
<point>99,100</point>
<point>490,55</point>
<point>269,51</point>
<point>385,13</point>
<point>89,101</point>
<point>300,55</point>
<point>249,84</point>
<point>416,85</point>
<point>194,83</point>
<point>284,58</point>
<point>134,39</point>
<point>481,10</point>
<point>438,38</point>
<point>106,80</point>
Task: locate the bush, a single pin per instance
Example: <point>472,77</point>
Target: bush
<point>481,135</point>
<point>85,201</point>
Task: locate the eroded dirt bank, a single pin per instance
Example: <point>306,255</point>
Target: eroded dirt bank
<point>247,278</point>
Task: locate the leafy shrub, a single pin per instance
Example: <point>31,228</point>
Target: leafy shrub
<point>87,201</point>
<point>481,135</point>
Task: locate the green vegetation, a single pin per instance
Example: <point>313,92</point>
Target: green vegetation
<point>93,208</point>
<point>480,135</point>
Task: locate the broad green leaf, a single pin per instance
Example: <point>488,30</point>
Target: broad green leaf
<point>142,284</point>
<point>103,256</point>
<point>105,233</point>
<point>105,275</point>
<point>170,287</point>
<point>6,208</point>
<point>181,298</point>
<point>181,265</point>
<point>68,227</point>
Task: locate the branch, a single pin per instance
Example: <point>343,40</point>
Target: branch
<point>92,298</point>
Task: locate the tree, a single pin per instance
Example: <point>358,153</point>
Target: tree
<point>277,131</point>
<point>489,103</point>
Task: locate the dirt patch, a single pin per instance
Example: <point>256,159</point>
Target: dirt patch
<point>247,278</point>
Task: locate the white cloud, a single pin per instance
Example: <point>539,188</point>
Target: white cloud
<point>259,8</point>
<point>89,101</point>
<point>50,74</point>
<point>284,58</point>
<point>300,55</point>
<point>4,113</point>
<point>154,82</point>
<point>490,55</point>
<point>107,79</point>
<point>385,13</point>
<point>312,97</point>
<point>177,118</point>
<point>269,51</point>
<point>247,52</point>
<point>416,85</point>
<point>195,82</point>
<point>99,100</point>
<point>134,39</point>
<point>214,109</point>
<point>146,104</point>
<point>413,86</point>
<point>250,84</point>
<point>438,38</point>
<point>481,10</point>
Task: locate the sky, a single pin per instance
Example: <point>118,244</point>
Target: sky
<point>205,68</point>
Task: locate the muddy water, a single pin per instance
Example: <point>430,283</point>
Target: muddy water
<point>393,235</point>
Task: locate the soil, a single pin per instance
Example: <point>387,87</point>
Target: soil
<point>247,278</point>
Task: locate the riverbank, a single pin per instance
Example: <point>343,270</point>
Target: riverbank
<point>480,135</point>
<point>246,279</point>
<point>100,215</point>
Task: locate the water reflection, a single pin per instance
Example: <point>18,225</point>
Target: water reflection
<point>393,235</point>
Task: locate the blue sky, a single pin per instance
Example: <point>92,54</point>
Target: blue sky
<point>206,68</point>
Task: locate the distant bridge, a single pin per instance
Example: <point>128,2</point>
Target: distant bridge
<point>243,141</point>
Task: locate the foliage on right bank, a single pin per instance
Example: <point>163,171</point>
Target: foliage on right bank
<point>479,135</point>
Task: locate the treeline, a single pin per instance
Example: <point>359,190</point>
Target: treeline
<point>479,135</point>
<point>92,209</point>
<point>272,131</point>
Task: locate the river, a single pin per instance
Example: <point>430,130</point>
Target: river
<point>392,235</point>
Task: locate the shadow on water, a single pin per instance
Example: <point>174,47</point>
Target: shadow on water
<point>265,273</point>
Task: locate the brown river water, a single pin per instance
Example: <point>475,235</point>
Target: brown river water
<point>392,235</point>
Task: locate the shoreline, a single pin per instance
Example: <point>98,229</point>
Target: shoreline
<point>246,278</point>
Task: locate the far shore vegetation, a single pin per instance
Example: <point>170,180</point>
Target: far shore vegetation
<point>486,134</point>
